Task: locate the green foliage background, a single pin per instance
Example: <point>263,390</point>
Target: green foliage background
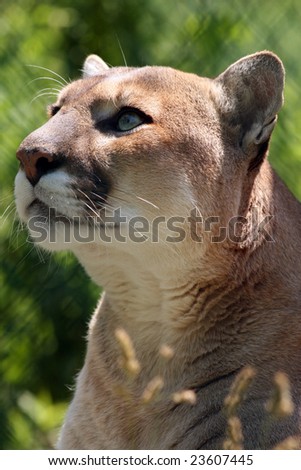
<point>46,301</point>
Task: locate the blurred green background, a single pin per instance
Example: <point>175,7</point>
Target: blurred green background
<point>46,301</point>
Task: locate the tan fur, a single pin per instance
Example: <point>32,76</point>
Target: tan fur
<point>217,306</point>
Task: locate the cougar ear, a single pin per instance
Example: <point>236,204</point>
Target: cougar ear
<point>94,65</point>
<point>250,95</point>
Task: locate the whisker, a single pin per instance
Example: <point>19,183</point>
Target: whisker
<point>102,204</point>
<point>26,243</point>
<point>11,233</point>
<point>128,193</point>
<point>114,208</point>
<point>57,90</point>
<point>92,209</point>
<point>47,78</point>
<point>137,197</point>
<point>108,196</point>
<point>106,205</point>
<point>123,56</point>
<point>28,253</point>
<point>7,196</point>
<point>50,71</point>
<point>48,93</point>
<point>86,196</point>
<point>7,211</point>
<point>40,254</point>
<point>148,202</point>
<point>16,228</point>
<point>198,210</point>
<point>98,195</point>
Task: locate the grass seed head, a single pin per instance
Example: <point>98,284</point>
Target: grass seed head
<point>234,440</point>
<point>238,390</point>
<point>185,396</point>
<point>281,404</point>
<point>291,443</point>
<point>128,360</point>
<point>166,352</point>
<point>152,390</point>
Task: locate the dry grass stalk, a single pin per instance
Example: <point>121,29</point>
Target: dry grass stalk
<point>235,436</point>
<point>281,404</point>
<point>128,361</point>
<point>152,390</point>
<point>185,396</point>
<point>238,390</point>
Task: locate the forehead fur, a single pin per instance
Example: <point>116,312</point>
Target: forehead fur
<point>146,80</point>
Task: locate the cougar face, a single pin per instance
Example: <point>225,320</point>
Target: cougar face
<point>151,142</point>
<point>151,177</point>
<point>120,141</point>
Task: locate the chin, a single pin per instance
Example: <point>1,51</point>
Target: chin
<point>24,196</point>
<point>56,233</point>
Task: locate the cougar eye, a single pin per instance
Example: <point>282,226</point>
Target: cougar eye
<point>128,120</point>
<point>125,121</point>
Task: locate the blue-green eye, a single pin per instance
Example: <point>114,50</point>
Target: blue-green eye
<point>128,121</point>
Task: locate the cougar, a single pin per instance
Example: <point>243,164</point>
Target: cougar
<point>158,181</point>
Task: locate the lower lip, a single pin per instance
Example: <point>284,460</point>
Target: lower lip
<point>41,209</point>
<point>36,203</point>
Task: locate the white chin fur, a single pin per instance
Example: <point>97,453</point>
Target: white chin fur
<point>24,195</point>
<point>53,190</point>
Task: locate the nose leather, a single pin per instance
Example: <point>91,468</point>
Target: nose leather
<point>35,162</point>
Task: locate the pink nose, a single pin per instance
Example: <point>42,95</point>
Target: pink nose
<point>35,162</point>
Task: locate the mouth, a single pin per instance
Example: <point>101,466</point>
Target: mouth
<point>40,211</point>
<point>59,217</point>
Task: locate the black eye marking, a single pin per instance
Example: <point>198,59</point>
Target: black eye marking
<point>52,110</point>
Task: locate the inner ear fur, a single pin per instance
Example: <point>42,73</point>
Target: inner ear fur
<point>250,94</point>
<point>94,65</point>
